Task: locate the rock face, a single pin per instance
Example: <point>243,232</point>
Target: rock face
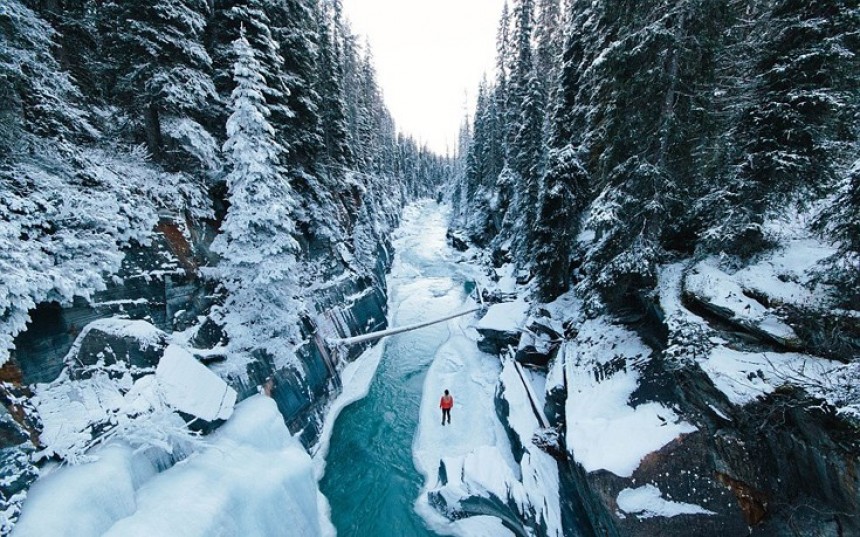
<point>771,462</point>
<point>501,326</point>
<point>750,447</point>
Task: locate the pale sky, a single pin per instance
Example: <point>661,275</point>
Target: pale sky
<point>429,54</point>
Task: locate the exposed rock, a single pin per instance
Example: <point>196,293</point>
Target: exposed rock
<point>209,335</point>
<point>708,288</point>
<point>501,255</point>
<point>753,503</point>
<point>539,342</point>
<point>496,342</point>
<point>535,350</point>
<point>500,328</point>
<point>549,440</point>
<point>104,343</point>
<point>458,241</point>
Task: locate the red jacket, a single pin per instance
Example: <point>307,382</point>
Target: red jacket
<point>447,401</point>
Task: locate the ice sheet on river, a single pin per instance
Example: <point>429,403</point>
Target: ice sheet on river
<point>469,465</point>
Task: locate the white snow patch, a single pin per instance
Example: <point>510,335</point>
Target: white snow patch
<point>745,376</point>
<point>539,470</point>
<point>481,526</point>
<point>251,480</point>
<point>142,331</point>
<point>648,502</point>
<point>85,500</point>
<point>785,276</point>
<point>474,446</point>
<point>710,283</point>
<point>507,279</point>
<point>603,431</point>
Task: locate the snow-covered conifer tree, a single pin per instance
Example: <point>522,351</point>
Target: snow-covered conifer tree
<point>157,63</point>
<point>256,243</point>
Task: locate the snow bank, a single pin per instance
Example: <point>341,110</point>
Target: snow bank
<point>603,431</point>
<point>474,447</point>
<point>507,278</point>
<point>189,386</point>
<point>539,470</point>
<point>648,502</point>
<point>252,479</point>
<point>141,411</point>
<point>482,526</point>
<point>482,472</point>
<point>745,376</point>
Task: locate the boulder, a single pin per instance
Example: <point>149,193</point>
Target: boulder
<point>117,346</point>
<point>501,326</point>
<point>458,241</point>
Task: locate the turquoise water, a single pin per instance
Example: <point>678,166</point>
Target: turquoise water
<point>370,480</point>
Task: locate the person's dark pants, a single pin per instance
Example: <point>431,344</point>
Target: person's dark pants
<point>446,412</point>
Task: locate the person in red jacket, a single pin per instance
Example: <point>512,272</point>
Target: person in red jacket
<point>446,403</point>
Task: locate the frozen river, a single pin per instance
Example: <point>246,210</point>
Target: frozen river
<point>372,478</point>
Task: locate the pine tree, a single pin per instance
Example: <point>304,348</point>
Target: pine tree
<point>40,98</point>
<point>295,28</point>
<point>330,83</point>
<point>256,242</point>
<point>791,135</point>
<point>530,156</point>
<point>157,62</point>
<point>548,46</point>
<point>562,201</point>
<point>232,17</point>
<point>841,221</point>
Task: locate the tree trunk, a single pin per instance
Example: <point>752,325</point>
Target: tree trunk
<point>152,125</point>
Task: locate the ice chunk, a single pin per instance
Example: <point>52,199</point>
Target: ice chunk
<point>189,386</point>
<point>254,481</point>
